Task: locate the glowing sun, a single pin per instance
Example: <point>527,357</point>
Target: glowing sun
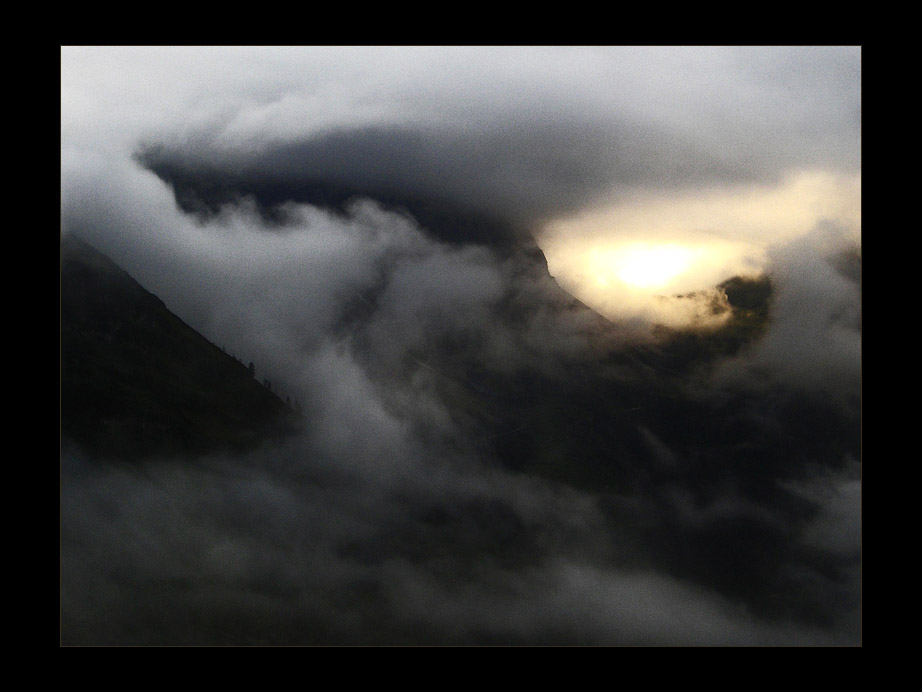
<point>641,265</point>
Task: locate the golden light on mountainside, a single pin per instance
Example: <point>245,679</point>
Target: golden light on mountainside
<point>634,279</point>
<point>630,259</point>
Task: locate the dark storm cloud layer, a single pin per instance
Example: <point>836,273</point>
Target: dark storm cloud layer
<point>509,179</point>
<point>426,368</point>
<point>534,156</point>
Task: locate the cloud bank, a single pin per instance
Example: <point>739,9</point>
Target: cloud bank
<point>361,224</point>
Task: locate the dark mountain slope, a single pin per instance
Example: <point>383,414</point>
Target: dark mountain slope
<point>717,471</point>
<point>586,421</point>
<point>704,487</point>
<point>136,381</point>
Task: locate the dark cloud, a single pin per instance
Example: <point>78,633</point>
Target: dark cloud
<point>484,461</point>
<point>471,170</point>
<point>483,186</point>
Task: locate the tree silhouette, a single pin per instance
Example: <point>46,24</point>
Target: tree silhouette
<point>252,369</point>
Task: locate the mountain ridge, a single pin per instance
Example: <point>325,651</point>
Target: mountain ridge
<point>138,382</point>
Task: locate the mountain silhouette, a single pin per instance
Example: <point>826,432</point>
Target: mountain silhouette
<point>138,382</point>
<point>627,425</point>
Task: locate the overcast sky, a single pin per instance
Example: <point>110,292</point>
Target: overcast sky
<point>730,159</point>
<point>728,150</point>
<point>619,118</point>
